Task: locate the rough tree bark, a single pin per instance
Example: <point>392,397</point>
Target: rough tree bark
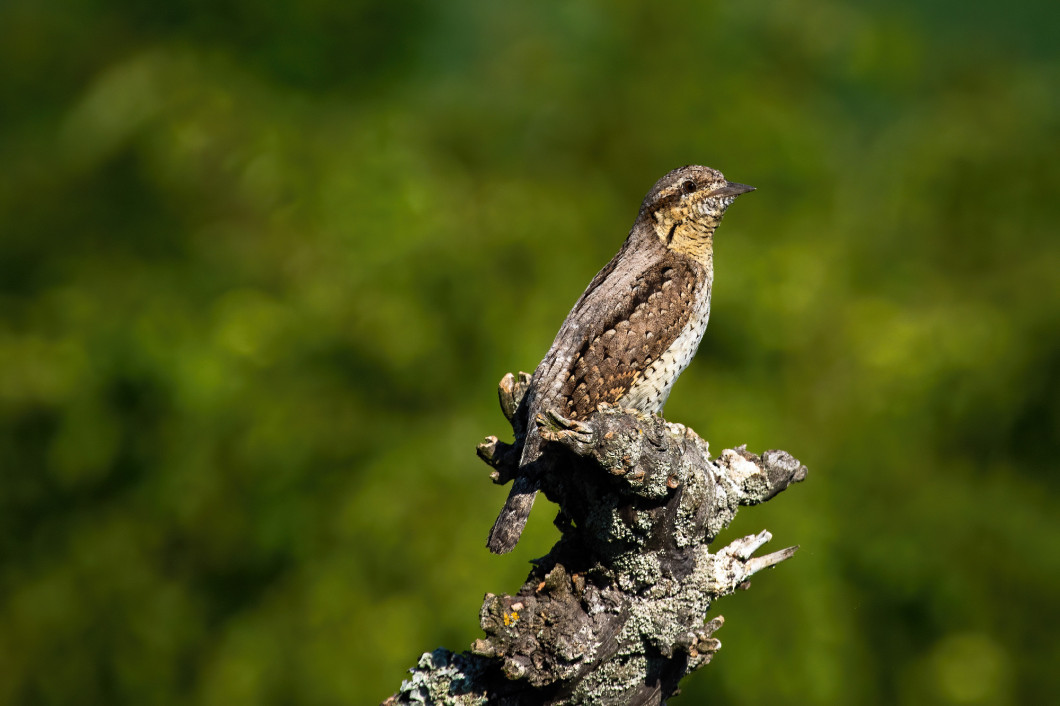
<point>616,612</point>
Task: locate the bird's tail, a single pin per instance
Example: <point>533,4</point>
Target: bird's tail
<point>512,519</point>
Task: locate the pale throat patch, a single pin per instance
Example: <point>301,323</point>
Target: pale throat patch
<point>689,229</point>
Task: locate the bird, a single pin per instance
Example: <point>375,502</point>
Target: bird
<point>632,332</point>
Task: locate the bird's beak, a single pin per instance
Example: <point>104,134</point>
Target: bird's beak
<point>731,188</point>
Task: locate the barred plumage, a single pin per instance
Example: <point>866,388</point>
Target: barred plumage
<point>633,331</point>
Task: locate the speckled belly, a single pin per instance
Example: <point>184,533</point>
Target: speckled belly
<point>652,388</point>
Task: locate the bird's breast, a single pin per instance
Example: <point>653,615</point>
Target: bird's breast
<point>652,387</point>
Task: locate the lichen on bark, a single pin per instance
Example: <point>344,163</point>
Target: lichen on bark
<point>616,612</point>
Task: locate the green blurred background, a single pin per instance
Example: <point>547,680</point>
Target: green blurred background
<point>262,266</point>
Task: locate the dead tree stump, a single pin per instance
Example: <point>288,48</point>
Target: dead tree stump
<point>616,612</point>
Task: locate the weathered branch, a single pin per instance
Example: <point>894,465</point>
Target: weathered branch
<point>616,612</point>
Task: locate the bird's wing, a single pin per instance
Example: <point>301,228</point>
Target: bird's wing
<point>630,314</point>
<point>635,328</point>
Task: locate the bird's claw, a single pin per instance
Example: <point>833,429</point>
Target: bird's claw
<point>574,434</point>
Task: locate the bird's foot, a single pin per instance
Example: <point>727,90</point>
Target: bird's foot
<point>575,435</point>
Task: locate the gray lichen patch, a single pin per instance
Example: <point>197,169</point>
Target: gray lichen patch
<point>635,572</point>
<point>616,612</point>
<point>442,677</point>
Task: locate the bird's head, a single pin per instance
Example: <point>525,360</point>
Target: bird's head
<point>686,205</point>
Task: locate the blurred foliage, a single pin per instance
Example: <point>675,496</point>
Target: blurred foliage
<point>262,266</point>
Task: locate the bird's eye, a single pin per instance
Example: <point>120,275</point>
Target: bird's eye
<point>688,186</point>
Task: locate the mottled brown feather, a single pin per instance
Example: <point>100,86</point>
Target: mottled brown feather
<point>629,317</point>
<point>645,287</point>
<point>634,333</point>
